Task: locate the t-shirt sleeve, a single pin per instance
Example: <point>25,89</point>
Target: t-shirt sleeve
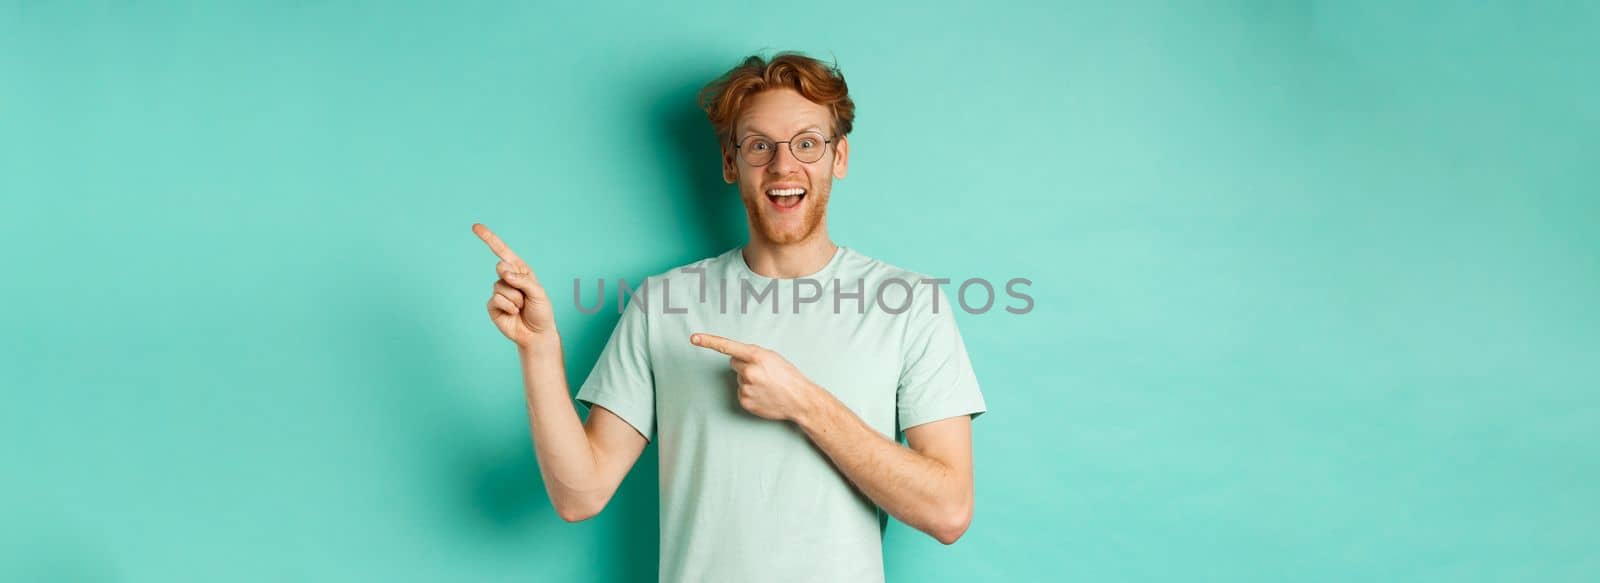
<point>937,380</point>
<point>621,380</point>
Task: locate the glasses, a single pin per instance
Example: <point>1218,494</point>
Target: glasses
<point>806,146</point>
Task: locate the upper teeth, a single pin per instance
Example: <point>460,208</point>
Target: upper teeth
<point>786,191</point>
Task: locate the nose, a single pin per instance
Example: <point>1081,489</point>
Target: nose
<point>783,162</point>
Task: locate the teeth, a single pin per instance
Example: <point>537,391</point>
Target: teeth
<point>786,191</point>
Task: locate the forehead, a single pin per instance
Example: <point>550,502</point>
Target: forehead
<point>782,112</point>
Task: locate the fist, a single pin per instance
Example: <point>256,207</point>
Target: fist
<point>769,386</point>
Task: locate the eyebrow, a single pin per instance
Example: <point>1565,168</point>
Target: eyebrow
<point>813,127</point>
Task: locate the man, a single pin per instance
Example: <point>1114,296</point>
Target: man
<point>775,417</point>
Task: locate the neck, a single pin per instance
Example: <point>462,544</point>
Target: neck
<point>791,260</point>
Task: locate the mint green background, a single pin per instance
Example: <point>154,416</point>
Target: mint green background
<point>1316,282</point>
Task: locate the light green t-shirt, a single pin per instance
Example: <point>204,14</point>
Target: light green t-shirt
<point>748,499</point>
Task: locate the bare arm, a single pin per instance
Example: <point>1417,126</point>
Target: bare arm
<point>581,464</point>
<point>927,485</point>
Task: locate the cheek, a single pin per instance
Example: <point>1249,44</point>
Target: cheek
<point>821,185</point>
<point>748,190</point>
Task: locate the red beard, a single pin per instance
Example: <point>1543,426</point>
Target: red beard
<point>762,216</point>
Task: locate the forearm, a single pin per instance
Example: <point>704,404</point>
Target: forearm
<point>566,459</point>
<point>919,490</point>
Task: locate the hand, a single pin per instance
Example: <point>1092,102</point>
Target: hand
<point>769,386</point>
<point>519,306</point>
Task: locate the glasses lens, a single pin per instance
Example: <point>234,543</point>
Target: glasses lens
<point>808,147</point>
<point>757,150</point>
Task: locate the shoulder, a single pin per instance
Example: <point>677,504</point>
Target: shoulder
<point>856,264</point>
<point>891,283</point>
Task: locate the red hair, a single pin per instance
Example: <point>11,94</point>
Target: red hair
<point>821,83</point>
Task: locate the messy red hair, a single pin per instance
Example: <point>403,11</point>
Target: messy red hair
<point>819,82</point>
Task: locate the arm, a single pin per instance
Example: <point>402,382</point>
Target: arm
<point>582,465</point>
<point>927,486</point>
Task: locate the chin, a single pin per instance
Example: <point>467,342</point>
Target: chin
<point>784,237</point>
<point>788,232</point>
<point>786,228</point>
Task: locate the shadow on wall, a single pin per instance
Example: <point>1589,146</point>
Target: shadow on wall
<point>479,470</point>
<point>716,218</point>
<point>488,472</point>
<point>490,485</point>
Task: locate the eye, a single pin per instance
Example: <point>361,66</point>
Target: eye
<point>761,145</point>
<point>808,143</point>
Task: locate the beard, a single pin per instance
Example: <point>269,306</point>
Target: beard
<point>782,229</point>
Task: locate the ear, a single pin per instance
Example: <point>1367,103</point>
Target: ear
<point>841,157</point>
<point>730,172</point>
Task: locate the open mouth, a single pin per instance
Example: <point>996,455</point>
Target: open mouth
<point>786,199</point>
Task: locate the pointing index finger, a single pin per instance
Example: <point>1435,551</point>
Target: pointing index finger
<point>732,348</point>
<point>499,247</point>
